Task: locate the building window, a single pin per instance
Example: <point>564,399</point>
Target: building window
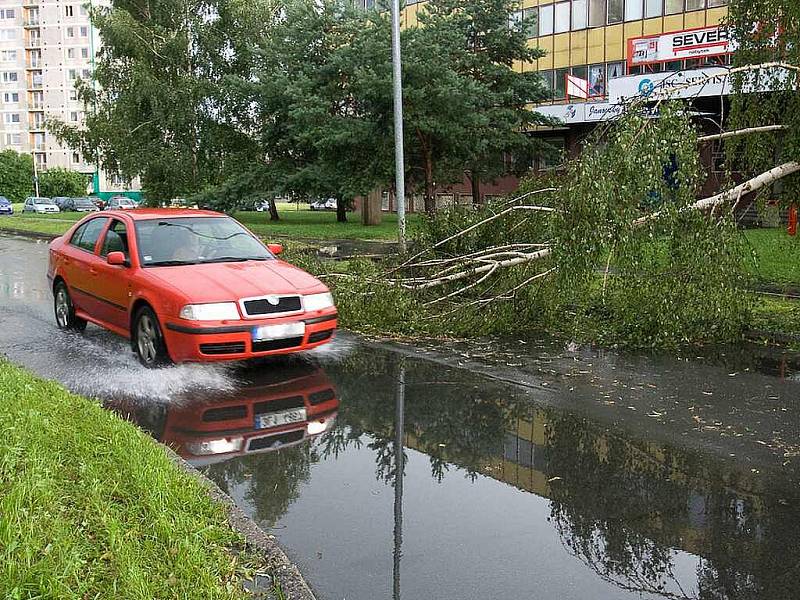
<point>82,10</point>
<point>84,52</point>
<point>615,69</point>
<point>76,158</point>
<point>715,3</point>
<point>597,80</point>
<point>70,52</point>
<point>10,118</point>
<point>9,77</point>
<point>581,72</point>
<point>73,94</point>
<point>72,74</point>
<point>13,139</point>
<point>86,74</point>
<point>84,32</point>
<point>11,97</point>
<point>547,77</point>
<point>70,32</point>
<point>7,13</point>
<point>530,22</point>
<point>73,116</point>
<point>633,10</point>
<point>579,14</point>
<point>673,7</point>
<point>546,20</point>
<point>69,10</point>
<point>597,13</point>
<point>652,8</point>
<point>562,17</point>
<point>695,4</point>
<point>615,11</point>
<point>8,56</point>
<point>560,84</point>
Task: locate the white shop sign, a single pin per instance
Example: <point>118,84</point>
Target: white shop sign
<point>712,81</point>
<point>591,112</point>
<point>567,113</point>
<point>679,45</point>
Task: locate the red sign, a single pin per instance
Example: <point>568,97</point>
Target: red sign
<point>679,45</point>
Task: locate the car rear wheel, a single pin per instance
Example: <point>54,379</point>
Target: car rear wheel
<point>148,341</point>
<point>65,310</point>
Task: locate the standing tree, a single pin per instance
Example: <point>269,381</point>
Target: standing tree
<point>63,182</point>
<point>16,175</point>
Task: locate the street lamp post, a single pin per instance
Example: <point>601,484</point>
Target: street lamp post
<point>35,175</point>
<point>399,162</point>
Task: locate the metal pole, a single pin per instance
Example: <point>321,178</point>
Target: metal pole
<point>399,161</point>
<point>399,467</point>
<point>35,175</point>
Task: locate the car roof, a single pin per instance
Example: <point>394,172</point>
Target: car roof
<point>145,214</point>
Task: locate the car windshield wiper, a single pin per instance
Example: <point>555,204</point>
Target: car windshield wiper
<point>234,259</point>
<point>171,263</point>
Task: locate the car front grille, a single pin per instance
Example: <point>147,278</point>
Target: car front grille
<point>254,307</point>
<point>266,345</point>
<point>222,348</point>
<point>278,405</point>
<point>322,396</point>
<point>225,413</point>
<point>275,440</point>
<point>318,336</point>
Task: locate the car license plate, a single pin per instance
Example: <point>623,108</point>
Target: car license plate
<point>278,332</point>
<point>284,417</point>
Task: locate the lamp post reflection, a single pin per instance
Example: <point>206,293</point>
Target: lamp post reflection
<point>400,397</point>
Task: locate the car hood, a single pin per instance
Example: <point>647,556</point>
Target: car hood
<point>221,282</point>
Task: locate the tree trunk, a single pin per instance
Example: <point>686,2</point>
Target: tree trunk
<point>371,208</point>
<point>273,210</point>
<point>430,202</point>
<point>341,210</point>
<point>475,180</point>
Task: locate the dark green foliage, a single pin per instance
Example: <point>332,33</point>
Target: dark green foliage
<point>16,175</point>
<point>62,182</point>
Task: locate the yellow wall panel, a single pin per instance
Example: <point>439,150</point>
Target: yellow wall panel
<point>615,43</point>
<point>653,26</point>
<point>715,15</point>
<point>696,18</point>
<point>673,23</point>
<point>561,50</point>
<point>577,50</point>
<point>596,45</point>
<point>546,44</point>
<point>525,429</point>
<point>633,29</point>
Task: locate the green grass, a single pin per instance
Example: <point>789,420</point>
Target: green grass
<point>91,507</point>
<point>294,223</point>
<point>778,256</point>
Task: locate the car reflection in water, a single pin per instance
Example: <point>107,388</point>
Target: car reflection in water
<point>277,405</point>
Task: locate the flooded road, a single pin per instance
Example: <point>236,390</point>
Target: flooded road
<point>390,472</point>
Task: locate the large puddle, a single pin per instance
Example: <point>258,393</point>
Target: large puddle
<point>403,475</point>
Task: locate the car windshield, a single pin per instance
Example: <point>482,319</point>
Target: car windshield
<point>42,201</point>
<point>196,240</point>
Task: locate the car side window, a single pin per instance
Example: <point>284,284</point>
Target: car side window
<point>91,233</point>
<point>116,239</point>
<point>76,237</point>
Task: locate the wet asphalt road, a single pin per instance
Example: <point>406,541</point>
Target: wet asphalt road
<point>604,476</point>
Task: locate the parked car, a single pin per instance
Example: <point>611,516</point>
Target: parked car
<point>186,285</point>
<point>6,207</point>
<point>98,202</point>
<point>329,204</point>
<point>39,205</point>
<point>120,203</point>
<point>59,201</point>
<point>78,205</point>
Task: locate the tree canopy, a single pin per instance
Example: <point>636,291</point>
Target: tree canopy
<point>62,182</point>
<point>16,175</point>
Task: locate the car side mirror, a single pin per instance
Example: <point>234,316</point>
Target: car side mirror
<point>117,258</point>
<point>275,248</point>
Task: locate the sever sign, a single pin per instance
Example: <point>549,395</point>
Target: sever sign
<point>678,45</point>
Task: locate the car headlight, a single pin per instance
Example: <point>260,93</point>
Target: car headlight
<point>219,311</point>
<point>221,446</point>
<point>314,302</point>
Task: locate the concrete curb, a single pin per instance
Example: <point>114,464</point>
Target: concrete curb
<point>292,583</point>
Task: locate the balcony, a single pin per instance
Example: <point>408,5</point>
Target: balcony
<point>33,43</point>
<point>31,22</point>
<point>40,146</point>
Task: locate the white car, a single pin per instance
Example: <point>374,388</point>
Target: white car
<point>39,206</point>
<point>329,204</point>
<point>120,203</point>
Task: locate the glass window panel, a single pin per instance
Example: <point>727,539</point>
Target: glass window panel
<point>652,8</point>
<point>560,87</point>
<point>515,20</point>
<point>581,72</point>
<point>547,76</point>
<point>597,80</point>
<point>546,20</point>
<point>633,10</point>
<point>597,13</point>
<point>616,69</point>
<point>673,65</point>
<point>579,14</point>
<point>713,3</point>
<point>530,21</point>
<point>562,17</point>
<point>615,8</point>
<point>673,7</point>
<point>695,4</point>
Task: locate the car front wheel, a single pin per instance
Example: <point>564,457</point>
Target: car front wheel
<point>148,341</point>
<point>65,310</point>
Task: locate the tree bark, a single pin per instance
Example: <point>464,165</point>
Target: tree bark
<point>430,202</point>
<point>341,210</point>
<point>475,180</point>
<point>273,210</point>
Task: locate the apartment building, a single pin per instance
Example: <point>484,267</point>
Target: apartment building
<point>45,47</point>
<point>621,49</point>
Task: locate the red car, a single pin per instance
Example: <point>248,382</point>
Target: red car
<point>186,285</point>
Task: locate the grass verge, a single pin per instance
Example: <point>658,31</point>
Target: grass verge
<point>91,507</point>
